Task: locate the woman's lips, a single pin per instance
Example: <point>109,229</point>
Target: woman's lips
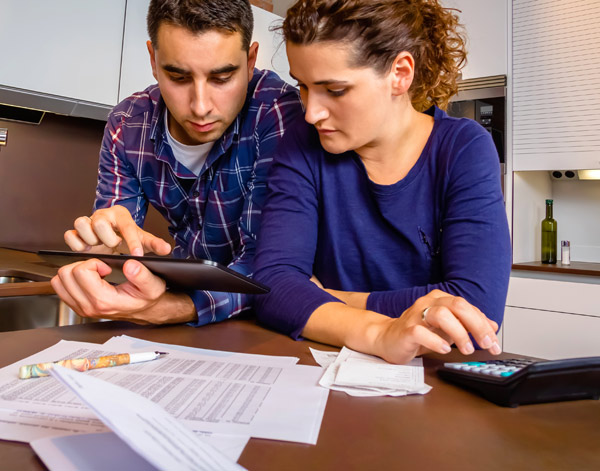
<point>325,132</point>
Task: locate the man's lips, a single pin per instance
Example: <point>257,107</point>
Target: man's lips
<point>203,127</point>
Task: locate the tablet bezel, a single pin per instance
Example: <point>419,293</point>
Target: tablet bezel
<point>178,273</point>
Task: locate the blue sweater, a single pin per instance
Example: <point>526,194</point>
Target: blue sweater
<point>443,226</point>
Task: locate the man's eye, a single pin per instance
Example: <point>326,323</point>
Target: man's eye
<point>177,78</point>
<point>222,79</point>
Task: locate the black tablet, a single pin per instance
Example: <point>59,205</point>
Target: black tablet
<point>177,272</point>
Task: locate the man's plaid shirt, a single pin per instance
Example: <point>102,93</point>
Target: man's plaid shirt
<point>215,216</point>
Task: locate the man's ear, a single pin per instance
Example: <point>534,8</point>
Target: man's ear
<point>152,53</point>
<point>402,73</point>
<point>252,55</point>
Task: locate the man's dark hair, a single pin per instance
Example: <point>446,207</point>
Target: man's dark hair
<point>198,16</point>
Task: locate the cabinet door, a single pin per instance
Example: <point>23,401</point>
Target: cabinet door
<point>551,335</point>
<point>487,25</point>
<point>67,48</point>
<point>551,295</point>
<point>556,75</point>
<point>136,73</point>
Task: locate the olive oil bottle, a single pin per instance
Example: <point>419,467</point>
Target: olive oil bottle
<point>549,232</point>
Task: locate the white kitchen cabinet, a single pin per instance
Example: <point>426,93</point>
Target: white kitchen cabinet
<point>552,319</point>
<point>556,76</point>
<point>136,73</point>
<point>486,23</point>
<point>65,48</point>
<point>550,335</point>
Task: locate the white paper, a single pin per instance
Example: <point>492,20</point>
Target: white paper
<point>324,359</point>
<point>363,375</point>
<point>210,391</point>
<point>282,384</point>
<point>146,427</point>
<point>106,451</point>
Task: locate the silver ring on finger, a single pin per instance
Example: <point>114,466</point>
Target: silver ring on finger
<point>424,315</point>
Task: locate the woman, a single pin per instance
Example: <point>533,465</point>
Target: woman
<point>384,228</point>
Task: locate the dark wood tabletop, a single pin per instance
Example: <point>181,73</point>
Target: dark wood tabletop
<point>449,428</point>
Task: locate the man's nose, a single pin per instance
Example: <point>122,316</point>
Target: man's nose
<point>200,101</point>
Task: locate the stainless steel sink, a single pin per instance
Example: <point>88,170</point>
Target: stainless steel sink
<point>32,311</point>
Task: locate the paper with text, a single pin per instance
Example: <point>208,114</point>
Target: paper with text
<point>359,374</point>
<point>211,391</point>
<point>145,426</point>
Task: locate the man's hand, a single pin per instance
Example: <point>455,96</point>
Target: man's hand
<point>143,299</point>
<point>113,230</point>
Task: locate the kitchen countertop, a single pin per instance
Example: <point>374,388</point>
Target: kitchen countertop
<point>20,263</point>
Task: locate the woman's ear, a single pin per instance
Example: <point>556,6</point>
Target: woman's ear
<point>402,73</point>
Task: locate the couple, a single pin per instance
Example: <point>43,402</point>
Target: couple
<point>382,226</point>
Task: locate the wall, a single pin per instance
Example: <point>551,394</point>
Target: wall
<point>264,4</point>
<point>575,210</point>
<point>280,7</point>
<point>48,178</point>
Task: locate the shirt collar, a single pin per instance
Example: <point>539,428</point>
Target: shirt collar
<point>158,132</point>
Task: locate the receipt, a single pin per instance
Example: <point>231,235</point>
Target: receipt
<point>359,374</point>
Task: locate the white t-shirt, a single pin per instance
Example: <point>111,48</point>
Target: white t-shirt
<point>193,157</point>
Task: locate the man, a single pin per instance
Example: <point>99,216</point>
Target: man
<point>197,146</point>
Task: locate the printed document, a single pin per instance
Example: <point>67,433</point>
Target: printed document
<point>106,451</point>
<point>210,391</point>
<point>145,426</point>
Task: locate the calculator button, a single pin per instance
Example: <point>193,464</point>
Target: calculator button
<point>507,373</point>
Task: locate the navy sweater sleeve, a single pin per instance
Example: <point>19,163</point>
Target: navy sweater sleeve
<point>475,244</point>
<point>286,247</point>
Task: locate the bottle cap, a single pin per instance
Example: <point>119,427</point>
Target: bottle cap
<point>565,243</point>
<point>549,201</point>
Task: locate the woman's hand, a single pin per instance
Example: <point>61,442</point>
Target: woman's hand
<point>434,322</point>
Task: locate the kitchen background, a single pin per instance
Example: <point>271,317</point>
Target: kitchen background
<point>89,57</point>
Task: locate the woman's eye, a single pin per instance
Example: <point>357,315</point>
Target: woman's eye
<point>337,93</point>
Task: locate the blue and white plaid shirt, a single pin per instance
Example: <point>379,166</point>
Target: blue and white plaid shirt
<point>215,216</point>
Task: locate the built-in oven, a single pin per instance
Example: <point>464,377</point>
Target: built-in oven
<point>484,100</point>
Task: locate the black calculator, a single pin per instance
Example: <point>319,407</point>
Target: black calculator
<point>525,381</point>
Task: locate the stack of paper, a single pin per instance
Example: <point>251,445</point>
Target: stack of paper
<point>359,374</point>
<point>225,397</point>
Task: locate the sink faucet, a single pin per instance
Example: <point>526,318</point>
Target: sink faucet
<point>3,136</point>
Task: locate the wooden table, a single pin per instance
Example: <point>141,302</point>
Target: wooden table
<point>449,428</point>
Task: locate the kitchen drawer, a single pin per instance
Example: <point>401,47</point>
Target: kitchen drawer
<point>558,296</point>
<point>551,335</point>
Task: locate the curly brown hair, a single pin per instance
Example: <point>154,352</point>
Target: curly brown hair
<point>378,30</point>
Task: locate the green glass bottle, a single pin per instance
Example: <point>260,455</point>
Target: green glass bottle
<point>549,232</point>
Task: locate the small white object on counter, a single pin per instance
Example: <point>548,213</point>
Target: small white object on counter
<point>565,252</point>
<point>358,374</point>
